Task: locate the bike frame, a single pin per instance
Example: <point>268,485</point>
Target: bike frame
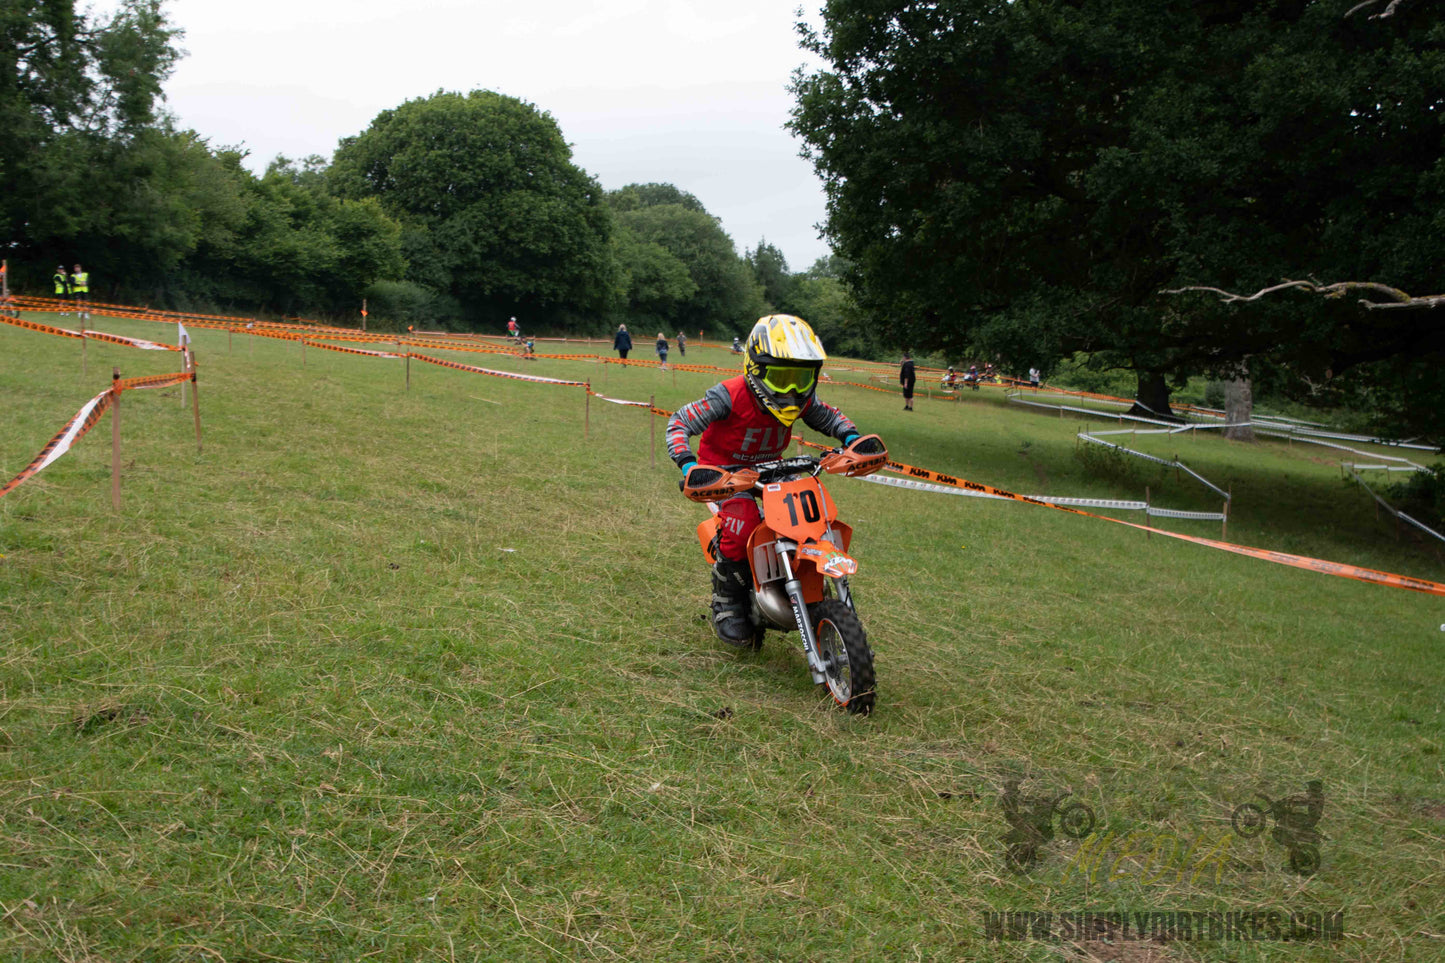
<point>794,552</point>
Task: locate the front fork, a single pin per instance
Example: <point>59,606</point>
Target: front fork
<point>794,589</point>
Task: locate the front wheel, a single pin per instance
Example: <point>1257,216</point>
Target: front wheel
<point>843,647</point>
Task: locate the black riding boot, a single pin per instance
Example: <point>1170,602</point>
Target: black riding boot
<point>730,584</point>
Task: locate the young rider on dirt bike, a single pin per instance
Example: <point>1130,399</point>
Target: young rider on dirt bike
<point>745,421</point>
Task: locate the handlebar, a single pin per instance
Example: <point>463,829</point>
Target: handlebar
<point>771,471</point>
<point>707,483</point>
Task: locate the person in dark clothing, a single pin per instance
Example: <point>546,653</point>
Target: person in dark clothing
<point>622,342</point>
<point>682,344</point>
<point>907,378</point>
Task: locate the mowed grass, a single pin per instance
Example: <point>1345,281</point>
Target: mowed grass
<point>423,674</point>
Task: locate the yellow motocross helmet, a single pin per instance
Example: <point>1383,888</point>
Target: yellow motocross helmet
<point>782,361</point>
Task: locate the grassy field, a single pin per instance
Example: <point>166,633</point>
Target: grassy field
<point>389,674</point>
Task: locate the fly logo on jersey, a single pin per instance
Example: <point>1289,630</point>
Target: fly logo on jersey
<point>769,440</point>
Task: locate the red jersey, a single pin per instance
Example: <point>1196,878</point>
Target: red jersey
<point>736,430</point>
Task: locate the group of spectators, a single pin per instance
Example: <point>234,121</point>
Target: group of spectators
<point>73,289</point>
<point>622,343</point>
<point>908,378</point>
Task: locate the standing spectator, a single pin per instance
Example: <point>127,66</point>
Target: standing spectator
<point>682,344</point>
<point>62,288</point>
<point>1034,377</point>
<point>907,378</point>
<point>513,331</point>
<point>662,348</point>
<point>622,342</point>
<point>80,291</point>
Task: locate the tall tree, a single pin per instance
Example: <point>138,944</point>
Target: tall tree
<point>727,298</point>
<point>1024,178</point>
<point>72,85</point>
<point>770,269</point>
<point>653,286</point>
<point>636,196</point>
<point>496,213</point>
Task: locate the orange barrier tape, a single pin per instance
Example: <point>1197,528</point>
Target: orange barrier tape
<point>86,334</point>
<point>337,347</point>
<point>855,384</point>
<point>497,374</point>
<point>85,420</point>
<point>42,328</point>
<point>1282,558</point>
<point>130,342</point>
<point>73,431</point>
<point>154,381</point>
<point>639,363</point>
<point>415,343</point>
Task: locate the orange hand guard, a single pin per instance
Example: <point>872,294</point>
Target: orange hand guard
<point>865,456</point>
<point>705,483</point>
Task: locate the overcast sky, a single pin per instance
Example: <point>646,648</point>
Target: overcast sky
<point>690,92</point>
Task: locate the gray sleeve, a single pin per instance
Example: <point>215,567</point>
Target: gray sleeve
<point>691,419</point>
<point>823,417</point>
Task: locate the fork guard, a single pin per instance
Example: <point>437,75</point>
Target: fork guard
<point>829,559</point>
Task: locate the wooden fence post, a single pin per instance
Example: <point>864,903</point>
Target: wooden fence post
<point>115,440</point>
<point>196,401</point>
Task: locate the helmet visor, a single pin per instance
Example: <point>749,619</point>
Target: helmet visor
<point>788,379</point>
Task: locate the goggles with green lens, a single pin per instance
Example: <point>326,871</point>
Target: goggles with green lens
<point>786,379</point>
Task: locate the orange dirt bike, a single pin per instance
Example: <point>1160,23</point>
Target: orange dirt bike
<point>799,560</point>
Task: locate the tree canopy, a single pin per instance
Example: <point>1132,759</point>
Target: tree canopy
<point>495,211</point>
<point>726,298</point>
<point>72,85</point>
<point>1024,179</point>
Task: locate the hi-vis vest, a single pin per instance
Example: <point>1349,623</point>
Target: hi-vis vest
<point>80,282</point>
<point>62,282</point>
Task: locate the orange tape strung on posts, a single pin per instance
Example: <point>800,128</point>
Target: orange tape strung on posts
<point>42,328</point>
<point>85,420</point>
<point>73,431</point>
<point>131,342</point>
<point>1320,565</point>
<point>434,346</point>
<point>337,347</point>
<point>497,374</point>
<point>154,381</point>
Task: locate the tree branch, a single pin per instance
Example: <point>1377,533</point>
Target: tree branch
<point>1397,299</point>
<point>1389,10</point>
